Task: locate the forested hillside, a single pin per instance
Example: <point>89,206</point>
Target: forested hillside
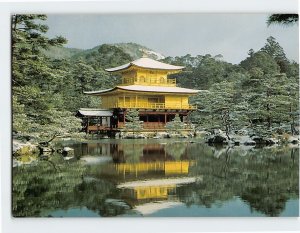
<point>48,82</point>
<point>261,93</point>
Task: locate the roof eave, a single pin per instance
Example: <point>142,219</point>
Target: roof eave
<point>149,68</point>
<point>116,70</point>
<point>167,92</point>
<point>98,92</point>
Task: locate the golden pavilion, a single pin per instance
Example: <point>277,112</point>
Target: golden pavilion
<point>144,86</point>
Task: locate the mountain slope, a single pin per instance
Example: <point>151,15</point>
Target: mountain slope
<point>137,51</point>
<point>134,50</point>
<point>61,52</point>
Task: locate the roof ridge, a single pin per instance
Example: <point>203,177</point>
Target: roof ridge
<point>146,62</point>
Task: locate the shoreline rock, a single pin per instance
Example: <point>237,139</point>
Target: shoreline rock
<point>244,138</point>
<point>20,148</point>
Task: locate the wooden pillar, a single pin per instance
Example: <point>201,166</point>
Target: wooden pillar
<point>136,101</point>
<point>188,116</point>
<point>181,102</point>
<point>124,100</point>
<point>124,113</point>
<point>98,124</point>
<point>165,118</point>
<point>87,125</point>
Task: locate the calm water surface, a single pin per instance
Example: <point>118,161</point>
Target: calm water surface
<point>159,178</point>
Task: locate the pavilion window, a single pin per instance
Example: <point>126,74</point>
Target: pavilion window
<point>142,79</point>
<point>153,100</point>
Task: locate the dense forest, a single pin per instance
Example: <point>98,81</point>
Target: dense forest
<point>48,80</point>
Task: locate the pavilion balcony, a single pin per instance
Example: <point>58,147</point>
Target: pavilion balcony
<point>147,105</point>
<point>148,81</point>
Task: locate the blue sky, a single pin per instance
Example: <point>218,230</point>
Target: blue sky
<point>231,35</point>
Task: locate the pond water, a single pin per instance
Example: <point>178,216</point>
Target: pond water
<point>159,178</point>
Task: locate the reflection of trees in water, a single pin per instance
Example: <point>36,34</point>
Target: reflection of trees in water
<point>132,152</point>
<point>268,200</point>
<point>126,152</point>
<point>41,187</point>
<point>265,178</point>
<point>94,194</point>
<point>176,149</point>
<point>272,180</point>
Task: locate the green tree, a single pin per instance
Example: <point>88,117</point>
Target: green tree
<point>133,122</point>
<point>285,19</point>
<point>29,65</point>
<point>36,81</point>
<point>201,71</point>
<point>270,99</point>
<point>105,56</point>
<point>261,60</point>
<point>215,107</point>
<point>273,48</point>
<point>175,126</point>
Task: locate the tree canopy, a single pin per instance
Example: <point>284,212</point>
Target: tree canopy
<point>285,19</point>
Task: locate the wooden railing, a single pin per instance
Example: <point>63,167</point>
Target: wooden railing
<point>97,127</point>
<point>171,81</point>
<point>154,125</point>
<point>153,105</point>
<point>149,81</point>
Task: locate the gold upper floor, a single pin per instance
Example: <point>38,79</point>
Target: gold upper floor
<point>147,77</point>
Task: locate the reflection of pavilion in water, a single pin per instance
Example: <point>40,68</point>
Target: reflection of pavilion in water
<point>163,165</point>
<point>166,166</point>
<point>135,153</point>
<point>150,159</point>
<point>153,190</point>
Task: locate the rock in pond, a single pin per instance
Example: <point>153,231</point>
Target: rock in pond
<point>250,142</point>
<point>46,150</point>
<point>20,148</point>
<point>68,151</point>
<point>264,141</point>
<point>293,140</point>
<point>217,139</point>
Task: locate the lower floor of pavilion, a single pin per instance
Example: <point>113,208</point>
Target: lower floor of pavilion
<point>97,120</point>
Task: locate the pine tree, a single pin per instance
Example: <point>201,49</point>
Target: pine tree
<point>37,81</point>
<point>273,48</point>
<point>133,122</point>
<point>216,107</point>
<point>175,126</point>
